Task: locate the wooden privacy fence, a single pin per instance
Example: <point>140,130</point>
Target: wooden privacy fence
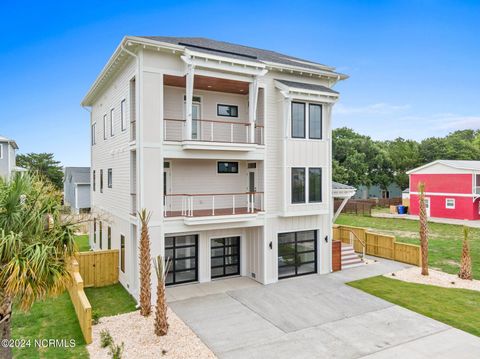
<point>378,245</point>
<point>80,302</point>
<point>98,268</point>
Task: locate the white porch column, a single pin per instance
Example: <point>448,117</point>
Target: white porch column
<point>252,107</point>
<point>189,100</point>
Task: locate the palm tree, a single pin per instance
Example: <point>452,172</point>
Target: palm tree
<point>423,228</point>
<point>145,283</point>
<point>161,320</point>
<point>35,246</point>
<point>466,261</point>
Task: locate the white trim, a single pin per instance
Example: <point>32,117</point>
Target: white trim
<point>442,162</point>
<point>1,151</point>
<point>446,194</point>
<point>123,117</point>
<point>447,206</point>
<point>112,121</point>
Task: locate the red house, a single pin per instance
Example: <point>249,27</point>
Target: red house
<point>452,189</point>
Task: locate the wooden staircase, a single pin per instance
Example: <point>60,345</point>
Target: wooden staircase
<point>350,259</point>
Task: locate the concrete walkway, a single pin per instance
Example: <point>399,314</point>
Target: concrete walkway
<point>315,316</point>
<point>460,222</point>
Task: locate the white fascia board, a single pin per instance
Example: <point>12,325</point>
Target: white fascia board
<point>226,59</point>
<point>343,193</point>
<point>331,74</point>
<point>300,91</point>
<point>442,163</point>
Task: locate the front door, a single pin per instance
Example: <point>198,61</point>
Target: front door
<point>195,121</point>
<point>183,253</point>
<point>225,256</point>
<point>297,253</point>
<point>427,205</point>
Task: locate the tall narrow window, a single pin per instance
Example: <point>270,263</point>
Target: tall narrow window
<point>94,131</point>
<point>104,127</point>
<point>123,121</point>
<point>122,253</point>
<point>109,238</point>
<point>315,185</point>
<point>109,178</point>
<point>94,180</point>
<point>298,185</point>
<point>100,234</point>
<point>298,120</point>
<point>94,230</point>
<point>101,181</point>
<point>112,124</point>
<point>315,121</point>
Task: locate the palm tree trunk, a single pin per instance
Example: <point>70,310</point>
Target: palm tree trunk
<point>423,229</point>
<point>5,325</point>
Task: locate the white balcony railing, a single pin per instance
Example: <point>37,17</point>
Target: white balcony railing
<point>212,204</point>
<point>212,131</point>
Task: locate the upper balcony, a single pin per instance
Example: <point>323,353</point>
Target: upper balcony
<point>208,113</point>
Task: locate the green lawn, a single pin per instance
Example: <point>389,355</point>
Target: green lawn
<point>445,240</point>
<point>456,307</point>
<point>55,318</point>
<point>82,243</point>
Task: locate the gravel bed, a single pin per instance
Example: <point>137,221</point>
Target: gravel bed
<point>435,277</point>
<point>136,332</point>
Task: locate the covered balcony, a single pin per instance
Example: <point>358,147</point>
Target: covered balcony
<point>202,112</point>
<point>201,191</point>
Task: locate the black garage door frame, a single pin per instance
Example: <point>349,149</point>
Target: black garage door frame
<point>174,259</point>
<point>296,252</point>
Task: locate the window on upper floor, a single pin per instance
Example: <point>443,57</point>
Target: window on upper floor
<point>94,133</point>
<point>227,110</point>
<point>450,203</point>
<point>315,121</point>
<point>94,180</point>
<point>104,127</point>
<point>298,185</point>
<point>227,167</point>
<point>123,120</point>
<point>101,181</point>
<point>109,178</point>
<point>112,124</point>
<point>94,230</point>
<point>314,185</point>
<point>109,238</point>
<point>298,120</point>
<point>122,253</point>
<point>100,233</point>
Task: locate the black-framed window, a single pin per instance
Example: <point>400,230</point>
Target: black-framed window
<point>314,185</point>
<point>227,167</point>
<point>94,133</point>
<point>94,180</point>
<point>315,121</point>
<point>227,110</point>
<point>109,238</point>
<point>298,185</point>
<point>112,122</point>
<point>225,256</point>
<point>100,234</point>
<point>183,253</point>
<point>122,253</point>
<point>94,230</point>
<point>297,253</point>
<point>101,181</point>
<point>109,178</point>
<point>123,120</point>
<point>298,120</point>
<point>105,127</point>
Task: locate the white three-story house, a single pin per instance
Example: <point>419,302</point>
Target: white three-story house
<point>228,147</point>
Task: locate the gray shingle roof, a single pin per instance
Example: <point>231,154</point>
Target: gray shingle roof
<point>236,51</point>
<point>305,86</point>
<point>78,174</point>
<point>336,185</point>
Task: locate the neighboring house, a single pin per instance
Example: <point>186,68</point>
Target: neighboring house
<point>8,153</point>
<point>76,188</point>
<point>452,189</point>
<point>375,191</point>
<point>228,147</point>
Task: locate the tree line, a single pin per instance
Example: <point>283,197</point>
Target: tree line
<point>359,160</point>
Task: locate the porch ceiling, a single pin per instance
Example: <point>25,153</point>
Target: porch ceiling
<point>209,84</point>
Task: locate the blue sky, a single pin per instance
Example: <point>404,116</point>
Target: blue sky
<point>413,64</point>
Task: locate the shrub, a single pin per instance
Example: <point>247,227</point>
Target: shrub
<point>106,339</point>
<point>95,317</point>
<point>116,350</point>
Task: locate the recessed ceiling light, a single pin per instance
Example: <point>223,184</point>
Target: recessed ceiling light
<point>209,86</point>
<point>241,90</point>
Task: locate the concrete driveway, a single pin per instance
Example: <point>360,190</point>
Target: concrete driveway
<point>313,317</point>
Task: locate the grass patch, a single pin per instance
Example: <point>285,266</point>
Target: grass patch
<point>456,307</point>
<point>445,240</point>
<point>82,243</point>
<point>110,300</point>
<point>53,318</point>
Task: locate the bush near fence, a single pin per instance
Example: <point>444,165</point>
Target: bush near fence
<point>80,302</point>
<point>378,245</point>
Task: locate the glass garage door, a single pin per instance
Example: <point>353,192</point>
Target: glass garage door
<point>183,252</point>
<point>225,256</point>
<point>297,253</point>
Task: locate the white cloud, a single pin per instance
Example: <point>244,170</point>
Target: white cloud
<point>380,108</point>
